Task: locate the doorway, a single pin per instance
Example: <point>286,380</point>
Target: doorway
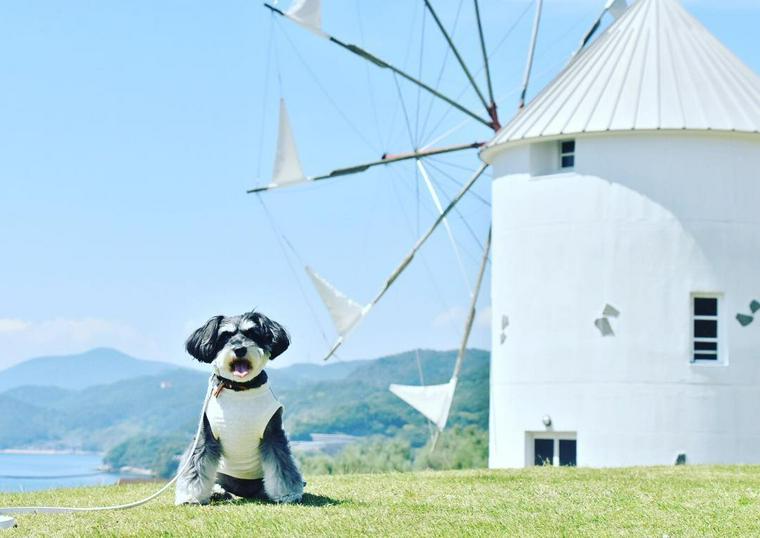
<point>552,448</point>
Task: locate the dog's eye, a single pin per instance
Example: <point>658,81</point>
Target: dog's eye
<point>224,337</point>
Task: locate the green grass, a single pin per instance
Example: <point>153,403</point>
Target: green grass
<point>673,501</point>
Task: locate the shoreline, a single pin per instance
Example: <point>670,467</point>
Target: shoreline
<point>48,452</point>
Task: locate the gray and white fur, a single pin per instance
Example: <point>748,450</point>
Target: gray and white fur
<point>238,348</point>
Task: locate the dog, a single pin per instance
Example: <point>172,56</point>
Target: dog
<point>242,448</point>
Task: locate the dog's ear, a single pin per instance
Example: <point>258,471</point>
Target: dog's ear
<point>280,338</point>
<point>202,343</point>
<point>272,334</point>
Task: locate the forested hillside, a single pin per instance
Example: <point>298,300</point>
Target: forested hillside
<point>135,416</point>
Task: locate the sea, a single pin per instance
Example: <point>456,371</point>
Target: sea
<point>36,471</point>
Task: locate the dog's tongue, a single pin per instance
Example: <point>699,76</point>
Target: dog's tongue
<point>240,368</point>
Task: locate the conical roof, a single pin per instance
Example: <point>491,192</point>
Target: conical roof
<point>656,67</point>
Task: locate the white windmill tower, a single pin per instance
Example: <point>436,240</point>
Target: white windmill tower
<point>626,255</point>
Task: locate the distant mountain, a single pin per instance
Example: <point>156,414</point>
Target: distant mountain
<point>298,374</point>
<point>95,367</point>
<point>345,397</point>
<point>101,416</point>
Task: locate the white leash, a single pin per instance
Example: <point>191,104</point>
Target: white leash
<point>7,522</point>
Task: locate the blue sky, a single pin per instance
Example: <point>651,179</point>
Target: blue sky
<point>130,131</point>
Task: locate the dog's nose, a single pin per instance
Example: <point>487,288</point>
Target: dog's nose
<point>240,351</point>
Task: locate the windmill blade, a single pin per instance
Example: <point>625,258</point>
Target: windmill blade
<point>433,401</point>
<point>492,111</point>
<point>356,169</point>
<point>473,307</point>
<point>360,52</point>
<point>435,404</point>
<point>410,256</point>
<point>439,207</point>
<point>345,312</point>
<point>307,13</point>
<point>616,8</point>
<point>453,49</point>
<point>531,52</point>
<point>287,168</point>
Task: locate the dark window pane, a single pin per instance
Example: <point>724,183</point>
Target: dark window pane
<point>706,346</point>
<point>705,357</point>
<point>568,161</point>
<point>544,451</point>
<point>705,306</point>
<point>706,328</point>
<point>568,146</point>
<point>567,452</point>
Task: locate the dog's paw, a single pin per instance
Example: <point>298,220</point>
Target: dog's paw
<point>219,494</point>
<point>190,501</point>
<point>280,491</point>
<point>289,498</point>
<point>292,494</point>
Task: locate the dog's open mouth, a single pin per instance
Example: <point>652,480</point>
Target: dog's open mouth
<point>241,367</point>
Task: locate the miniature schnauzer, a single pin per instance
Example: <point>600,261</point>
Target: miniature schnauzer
<point>242,448</point>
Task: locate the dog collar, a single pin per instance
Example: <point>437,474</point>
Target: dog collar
<point>224,383</point>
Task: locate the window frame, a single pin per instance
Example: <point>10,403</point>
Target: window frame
<point>532,436</point>
<point>720,352</point>
<point>563,154</point>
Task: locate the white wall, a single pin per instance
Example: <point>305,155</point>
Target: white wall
<point>644,220</point>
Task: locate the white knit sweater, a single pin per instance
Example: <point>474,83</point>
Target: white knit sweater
<point>238,420</point>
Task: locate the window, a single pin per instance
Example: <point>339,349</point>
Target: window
<point>550,448</point>
<point>705,329</point>
<point>543,452</point>
<point>567,452</point>
<point>567,153</point>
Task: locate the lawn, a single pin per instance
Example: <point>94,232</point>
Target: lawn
<point>656,501</point>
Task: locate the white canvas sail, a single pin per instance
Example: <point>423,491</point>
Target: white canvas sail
<point>433,401</point>
<point>307,13</point>
<point>344,312</point>
<point>287,165</point>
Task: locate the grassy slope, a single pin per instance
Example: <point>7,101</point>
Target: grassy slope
<point>677,501</point>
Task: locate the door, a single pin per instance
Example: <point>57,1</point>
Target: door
<point>543,451</point>
<point>551,448</point>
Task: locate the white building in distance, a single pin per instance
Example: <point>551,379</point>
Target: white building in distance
<point>626,261</point>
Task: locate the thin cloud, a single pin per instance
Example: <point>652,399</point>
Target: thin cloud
<point>12,325</point>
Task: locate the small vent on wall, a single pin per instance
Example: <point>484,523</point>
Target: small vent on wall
<point>603,323</point>
<point>746,319</point>
<point>504,325</point>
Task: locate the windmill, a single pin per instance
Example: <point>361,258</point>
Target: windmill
<point>433,401</point>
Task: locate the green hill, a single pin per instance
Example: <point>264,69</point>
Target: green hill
<point>22,424</point>
<point>99,417</point>
<point>361,404</point>
<point>343,397</point>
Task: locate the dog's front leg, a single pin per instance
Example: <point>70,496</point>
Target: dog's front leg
<point>196,483</point>
<point>283,482</point>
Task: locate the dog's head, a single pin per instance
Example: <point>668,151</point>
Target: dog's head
<point>238,347</point>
